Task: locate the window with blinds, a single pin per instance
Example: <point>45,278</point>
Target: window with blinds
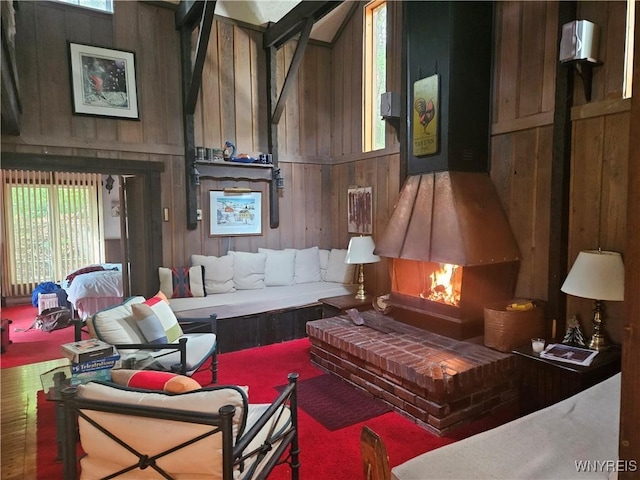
<point>53,226</point>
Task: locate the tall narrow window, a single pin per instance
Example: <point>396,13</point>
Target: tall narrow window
<point>52,224</point>
<point>628,50</point>
<point>375,74</point>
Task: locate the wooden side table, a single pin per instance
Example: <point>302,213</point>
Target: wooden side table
<point>545,382</point>
<point>332,306</point>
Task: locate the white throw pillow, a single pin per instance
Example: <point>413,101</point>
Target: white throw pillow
<point>248,270</point>
<point>280,266</point>
<point>307,267</point>
<point>218,273</point>
<point>337,270</point>
<point>324,261</point>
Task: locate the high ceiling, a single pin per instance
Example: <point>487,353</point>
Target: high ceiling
<point>261,12</point>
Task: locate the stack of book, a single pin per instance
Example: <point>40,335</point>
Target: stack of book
<point>91,360</point>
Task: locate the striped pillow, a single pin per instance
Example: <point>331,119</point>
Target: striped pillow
<point>182,282</point>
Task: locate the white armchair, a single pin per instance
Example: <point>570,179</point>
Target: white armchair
<point>209,433</point>
<point>148,335</point>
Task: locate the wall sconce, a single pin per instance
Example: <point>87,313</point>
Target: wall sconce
<point>236,190</point>
<point>195,175</point>
<point>278,178</point>
<point>579,48</point>
<point>108,184</point>
<point>597,275</point>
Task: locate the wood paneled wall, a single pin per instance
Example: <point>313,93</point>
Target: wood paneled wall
<point>522,142</point>
<point>320,132</point>
<point>48,125</point>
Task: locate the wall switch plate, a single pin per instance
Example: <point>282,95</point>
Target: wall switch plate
<point>199,214</point>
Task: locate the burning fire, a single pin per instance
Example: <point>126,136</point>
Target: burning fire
<point>445,286</point>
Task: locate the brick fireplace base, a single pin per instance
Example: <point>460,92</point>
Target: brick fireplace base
<point>440,383</point>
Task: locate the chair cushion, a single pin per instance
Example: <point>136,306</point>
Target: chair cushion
<point>182,282</point>
<point>152,435</point>
<point>116,325</point>
<point>200,347</point>
<point>218,273</point>
<point>154,380</point>
<point>279,267</point>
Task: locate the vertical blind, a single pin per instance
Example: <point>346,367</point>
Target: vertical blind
<point>53,226</point>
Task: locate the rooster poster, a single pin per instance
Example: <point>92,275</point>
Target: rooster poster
<point>425,116</point>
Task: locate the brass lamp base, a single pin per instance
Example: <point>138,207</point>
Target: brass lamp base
<point>599,340</point>
<point>361,295</point>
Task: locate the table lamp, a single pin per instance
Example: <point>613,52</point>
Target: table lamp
<point>360,252</point>
<point>598,275</point>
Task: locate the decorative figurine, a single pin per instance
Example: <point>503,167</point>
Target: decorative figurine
<point>574,335</point>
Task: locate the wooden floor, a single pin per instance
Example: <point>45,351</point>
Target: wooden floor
<point>19,386</point>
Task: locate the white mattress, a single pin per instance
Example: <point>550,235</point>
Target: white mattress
<point>250,302</point>
<point>543,445</point>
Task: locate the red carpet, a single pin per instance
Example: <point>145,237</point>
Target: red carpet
<point>32,346</point>
<point>325,455</point>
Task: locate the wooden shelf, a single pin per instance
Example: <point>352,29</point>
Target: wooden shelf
<point>231,170</point>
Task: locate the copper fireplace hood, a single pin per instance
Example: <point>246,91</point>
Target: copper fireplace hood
<point>449,217</point>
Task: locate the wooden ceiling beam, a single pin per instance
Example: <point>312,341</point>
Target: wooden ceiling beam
<point>195,80</point>
<point>189,13</point>
<point>294,22</point>
<point>293,70</point>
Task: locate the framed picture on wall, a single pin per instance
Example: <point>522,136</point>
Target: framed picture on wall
<point>103,82</point>
<point>360,210</point>
<point>232,214</point>
<point>425,116</point>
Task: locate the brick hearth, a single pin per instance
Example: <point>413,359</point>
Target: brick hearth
<point>439,382</point>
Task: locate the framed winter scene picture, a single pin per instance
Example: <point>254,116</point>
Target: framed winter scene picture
<point>103,82</point>
<point>235,213</point>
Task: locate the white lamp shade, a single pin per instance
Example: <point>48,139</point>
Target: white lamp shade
<point>598,275</point>
<point>361,251</point>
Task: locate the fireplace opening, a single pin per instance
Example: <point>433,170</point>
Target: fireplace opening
<point>432,281</point>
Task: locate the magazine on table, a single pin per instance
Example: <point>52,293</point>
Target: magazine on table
<point>569,354</point>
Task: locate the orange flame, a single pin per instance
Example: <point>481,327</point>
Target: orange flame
<point>445,285</point>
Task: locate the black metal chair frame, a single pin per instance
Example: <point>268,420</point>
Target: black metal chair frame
<point>221,423</point>
<point>188,325</point>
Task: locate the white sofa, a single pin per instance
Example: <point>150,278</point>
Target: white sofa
<point>248,283</point>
